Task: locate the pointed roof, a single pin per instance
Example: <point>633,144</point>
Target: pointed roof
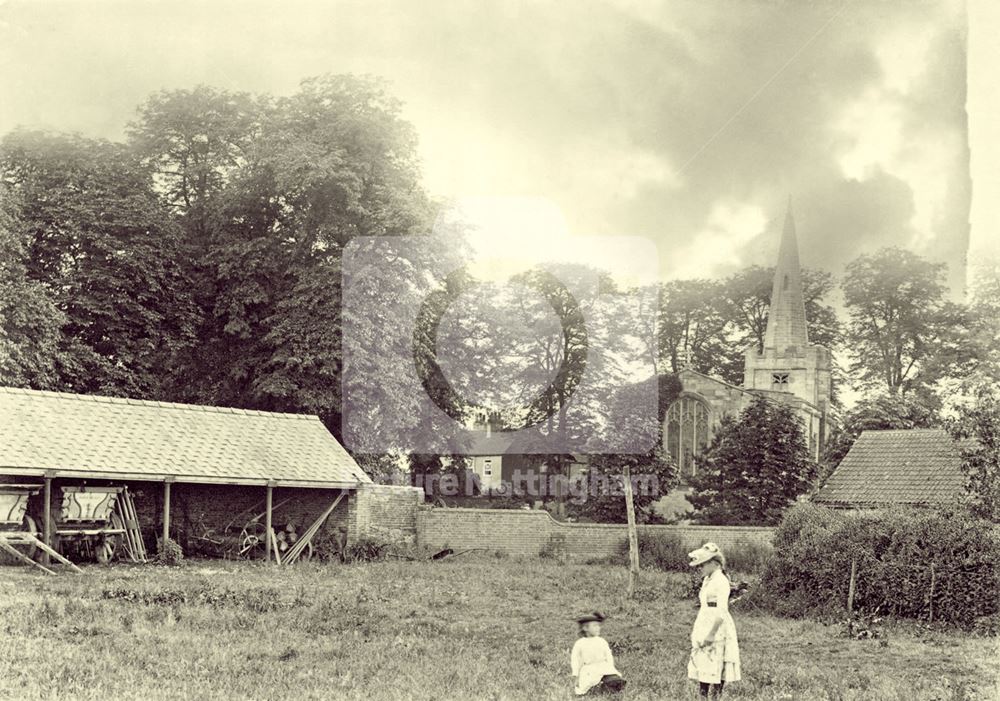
<point>786,319</point>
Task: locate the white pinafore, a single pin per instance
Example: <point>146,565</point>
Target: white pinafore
<point>719,661</point>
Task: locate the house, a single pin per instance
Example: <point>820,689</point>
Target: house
<point>915,467</point>
<point>197,473</point>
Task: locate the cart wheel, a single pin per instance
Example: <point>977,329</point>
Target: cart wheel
<point>113,543</point>
<point>28,525</point>
<point>31,527</point>
<point>252,541</point>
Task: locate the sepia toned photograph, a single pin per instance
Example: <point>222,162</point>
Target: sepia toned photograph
<point>500,350</point>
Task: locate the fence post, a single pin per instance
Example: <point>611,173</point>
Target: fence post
<point>633,540</point>
<point>850,587</point>
<point>931,601</point>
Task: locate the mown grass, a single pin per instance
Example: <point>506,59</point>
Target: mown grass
<point>460,628</point>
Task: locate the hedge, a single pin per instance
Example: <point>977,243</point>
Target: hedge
<point>911,563</point>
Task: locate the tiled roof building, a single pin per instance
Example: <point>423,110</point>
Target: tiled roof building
<point>72,435</point>
<point>894,468</point>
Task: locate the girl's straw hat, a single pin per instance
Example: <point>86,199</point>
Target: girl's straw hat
<point>708,551</point>
<point>590,618</point>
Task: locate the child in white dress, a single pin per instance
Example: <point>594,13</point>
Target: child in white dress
<point>715,649</point>
<point>592,663</point>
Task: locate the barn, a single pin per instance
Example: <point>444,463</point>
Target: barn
<point>216,480</point>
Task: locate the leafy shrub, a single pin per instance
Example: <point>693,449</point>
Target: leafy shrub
<point>168,552</point>
<point>748,557</point>
<point>919,564</point>
<point>667,551</point>
<point>330,544</point>
<point>366,549</point>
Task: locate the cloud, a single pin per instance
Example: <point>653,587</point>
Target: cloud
<point>637,118</point>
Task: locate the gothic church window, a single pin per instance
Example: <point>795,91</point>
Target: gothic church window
<point>779,380</point>
<point>687,432</point>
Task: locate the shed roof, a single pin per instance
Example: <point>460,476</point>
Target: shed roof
<point>75,435</point>
<point>915,466</point>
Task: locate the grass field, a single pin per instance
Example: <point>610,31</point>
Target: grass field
<point>455,629</point>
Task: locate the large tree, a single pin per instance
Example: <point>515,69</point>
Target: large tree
<point>269,192</point>
<point>693,326</point>
<point>755,467</point>
<point>30,322</point>
<point>903,333</point>
<point>977,426</point>
<point>873,413</point>
<point>104,246</point>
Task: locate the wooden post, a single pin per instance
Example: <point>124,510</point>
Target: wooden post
<point>268,539</point>
<point>47,519</point>
<point>166,510</point>
<point>633,538</point>
<point>931,600</point>
<point>851,586</point>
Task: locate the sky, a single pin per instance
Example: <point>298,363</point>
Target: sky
<point>688,123</point>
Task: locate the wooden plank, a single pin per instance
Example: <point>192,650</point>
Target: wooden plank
<point>47,518</point>
<point>17,554</point>
<point>166,511</point>
<point>140,543</point>
<point>268,533</point>
<point>633,540</point>
<point>57,556</point>
<point>293,554</point>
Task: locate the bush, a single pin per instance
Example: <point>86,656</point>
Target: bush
<point>667,551</point>
<point>922,564</point>
<point>168,552</point>
<point>366,549</point>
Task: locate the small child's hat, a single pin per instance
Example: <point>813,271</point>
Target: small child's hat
<point>590,618</point>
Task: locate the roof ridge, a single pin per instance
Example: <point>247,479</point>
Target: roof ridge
<point>103,399</point>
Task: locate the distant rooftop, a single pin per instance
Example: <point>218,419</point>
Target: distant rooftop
<point>896,467</point>
<point>77,435</point>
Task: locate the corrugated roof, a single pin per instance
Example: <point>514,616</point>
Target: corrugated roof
<point>75,434</point>
<point>916,466</point>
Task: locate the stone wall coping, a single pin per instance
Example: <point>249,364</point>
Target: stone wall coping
<point>541,513</point>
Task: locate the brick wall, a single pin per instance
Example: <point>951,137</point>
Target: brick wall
<point>389,512</point>
<point>529,532</point>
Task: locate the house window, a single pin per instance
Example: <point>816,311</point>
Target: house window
<point>779,380</point>
<point>487,468</point>
<point>686,432</point>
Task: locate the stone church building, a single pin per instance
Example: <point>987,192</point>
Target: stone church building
<point>789,369</point>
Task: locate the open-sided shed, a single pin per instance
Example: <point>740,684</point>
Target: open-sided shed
<point>194,471</point>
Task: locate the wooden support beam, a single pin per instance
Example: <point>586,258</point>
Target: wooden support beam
<point>18,555</point>
<point>59,557</point>
<point>268,533</point>
<point>166,510</point>
<point>47,519</point>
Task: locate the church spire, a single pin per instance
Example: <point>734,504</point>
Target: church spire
<point>786,319</point>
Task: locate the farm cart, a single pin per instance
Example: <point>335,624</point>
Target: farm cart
<point>88,526</point>
<point>19,535</point>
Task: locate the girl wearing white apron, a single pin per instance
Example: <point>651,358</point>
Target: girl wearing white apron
<point>715,650</point>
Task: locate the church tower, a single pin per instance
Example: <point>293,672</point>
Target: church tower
<point>789,367</point>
